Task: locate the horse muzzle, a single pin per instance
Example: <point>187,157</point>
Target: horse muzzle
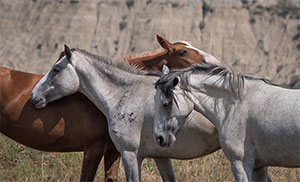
<point>38,102</point>
<point>165,141</point>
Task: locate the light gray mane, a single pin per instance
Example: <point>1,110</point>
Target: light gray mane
<point>107,65</point>
<point>234,81</point>
<point>100,61</point>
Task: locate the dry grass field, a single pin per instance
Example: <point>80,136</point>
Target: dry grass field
<point>21,164</point>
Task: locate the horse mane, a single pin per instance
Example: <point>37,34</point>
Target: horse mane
<point>155,52</point>
<point>234,81</point>
<point>144,54</point>
<point>123,65</point>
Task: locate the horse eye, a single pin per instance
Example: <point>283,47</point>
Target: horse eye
<point>182,52</point>
<point>56,70</point>
<point>166,104</point>
<point>169,128</point>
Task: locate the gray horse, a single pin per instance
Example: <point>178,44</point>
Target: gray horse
<point>258,122</point>
<point>126,96</point>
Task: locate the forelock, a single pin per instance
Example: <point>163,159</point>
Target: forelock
<point>165,84</point>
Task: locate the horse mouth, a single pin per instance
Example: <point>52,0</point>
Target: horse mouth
<point>166,141</point>
<point>39,104</point>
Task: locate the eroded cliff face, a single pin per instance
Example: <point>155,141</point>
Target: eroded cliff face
<point>257,37</point>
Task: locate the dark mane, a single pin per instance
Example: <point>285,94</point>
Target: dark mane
<point>234,81</point>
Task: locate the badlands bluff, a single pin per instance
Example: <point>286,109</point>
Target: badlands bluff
<point>258,37</point>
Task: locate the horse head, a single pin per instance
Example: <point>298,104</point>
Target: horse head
<point>60,81</point>
<point>182,54</point>
<point>172,107</point>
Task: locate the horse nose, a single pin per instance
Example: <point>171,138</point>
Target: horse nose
<point>33,101</point>
<point>36,100</point>
<point>160,140</point>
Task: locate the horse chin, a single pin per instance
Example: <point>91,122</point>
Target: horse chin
<point>40,105</point>
<point>172,139</point>
<point>166,141</point>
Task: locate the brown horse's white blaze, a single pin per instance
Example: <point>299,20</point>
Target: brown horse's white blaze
<point>205,57</point>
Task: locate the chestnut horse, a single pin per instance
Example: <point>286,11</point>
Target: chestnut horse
<point>59,128</point>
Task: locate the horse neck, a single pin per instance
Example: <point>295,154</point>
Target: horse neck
<point>213,101</point>
<point>149,60</point>
<point>13,83</point>
<point>15,92</point>
<point>106,85</point>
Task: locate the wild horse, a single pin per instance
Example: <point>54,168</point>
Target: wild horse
<point>258,122</point>
<point>125,95</point>
<point>58,128</point>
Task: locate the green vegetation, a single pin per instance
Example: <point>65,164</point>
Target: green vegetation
<point>201,25</point>
<point>174,4</point>
<point>19,163</point>
<point>297,37</point>
<point>282,9</point>
<point>122,25</point>
<point>206,9</point>
<point>129,3</point>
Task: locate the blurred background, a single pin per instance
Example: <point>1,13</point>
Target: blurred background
<point>258,37</point>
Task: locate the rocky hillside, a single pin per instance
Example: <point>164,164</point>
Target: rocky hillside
<point>260,37</point>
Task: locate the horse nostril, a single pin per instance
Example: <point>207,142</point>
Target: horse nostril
<point>109,180</point>
<point>33,101</point>
<point>166,104</point>
<point>160,140</point>
<point>37,100</point>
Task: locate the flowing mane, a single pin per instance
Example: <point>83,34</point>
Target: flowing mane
<point>233,80</point>
<point>101,61</point>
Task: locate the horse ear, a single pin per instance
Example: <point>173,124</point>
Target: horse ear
<point>175,81</point>
<point>165,70</point>
<point>164,42</point>
<point>67,52</point>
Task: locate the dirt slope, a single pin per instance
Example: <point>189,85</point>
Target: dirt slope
<point>257,37</point>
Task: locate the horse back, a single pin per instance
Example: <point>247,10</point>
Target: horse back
<point>274,124</point>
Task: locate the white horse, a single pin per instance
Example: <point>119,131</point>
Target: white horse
<point>258,122</point>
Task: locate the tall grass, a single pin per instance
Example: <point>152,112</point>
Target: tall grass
<point>19,163</point>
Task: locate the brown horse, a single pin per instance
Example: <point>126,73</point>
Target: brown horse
<point>177,55</point>
<point>57,128</point>
<point>60,128</point>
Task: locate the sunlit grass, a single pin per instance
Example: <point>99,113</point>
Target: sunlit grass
<point>19,163</point>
